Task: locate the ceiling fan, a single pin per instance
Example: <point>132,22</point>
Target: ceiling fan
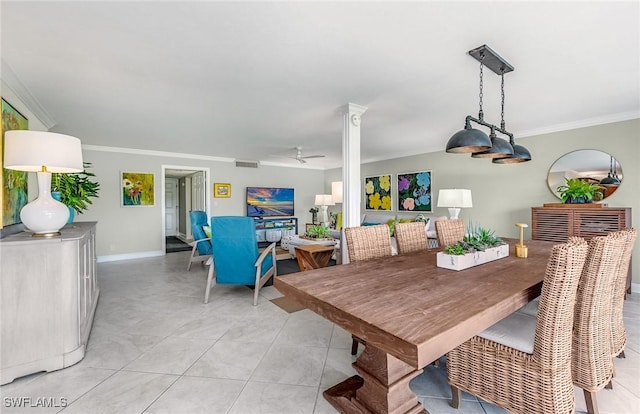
<point>302,159</point>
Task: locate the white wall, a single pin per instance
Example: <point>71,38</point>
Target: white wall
<point>504,194</point>
<point>127,232</point>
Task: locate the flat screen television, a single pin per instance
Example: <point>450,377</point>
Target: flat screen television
<point>269,202</point>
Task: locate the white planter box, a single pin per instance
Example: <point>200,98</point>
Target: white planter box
<point>458,262</point>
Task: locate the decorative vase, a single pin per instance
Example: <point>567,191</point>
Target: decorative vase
<point>56,195</point>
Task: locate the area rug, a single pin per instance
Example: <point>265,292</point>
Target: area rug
<point>288,304</point>
<point>174,244</point>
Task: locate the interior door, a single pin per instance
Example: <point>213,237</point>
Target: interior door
<point>171,206</point>
<point>197,191</point>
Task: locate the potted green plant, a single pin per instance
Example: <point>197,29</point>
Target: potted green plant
<point>577,191</point>
<point>319,232</point>
<point>75,190</point>
<point>478,246</point>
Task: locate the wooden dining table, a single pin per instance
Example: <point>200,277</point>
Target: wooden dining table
<point>409,312</point>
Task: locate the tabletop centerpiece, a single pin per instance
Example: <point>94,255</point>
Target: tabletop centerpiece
<point>478,246</point>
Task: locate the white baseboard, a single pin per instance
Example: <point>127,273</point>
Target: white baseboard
<point>635,287</point>
<point>129,256</point>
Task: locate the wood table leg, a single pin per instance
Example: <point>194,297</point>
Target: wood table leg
<point>381,388</point>
<point>313,256</point>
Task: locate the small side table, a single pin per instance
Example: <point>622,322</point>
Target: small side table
<point>313,256</point>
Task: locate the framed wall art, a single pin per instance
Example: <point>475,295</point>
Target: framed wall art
<point>222,190</point>
<point>137,189</point>
<point>14,193</point>
<point>414,191</point>
<point>377,193</point>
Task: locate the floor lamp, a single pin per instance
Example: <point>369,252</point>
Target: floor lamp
<point>43,153</point>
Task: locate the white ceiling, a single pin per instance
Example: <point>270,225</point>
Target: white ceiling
<point>249,80</point>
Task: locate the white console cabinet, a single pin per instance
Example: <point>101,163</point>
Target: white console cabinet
<point>49,293</point>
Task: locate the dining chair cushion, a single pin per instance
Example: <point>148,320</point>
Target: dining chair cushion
<point>531,308</point>
<point>517,331</point>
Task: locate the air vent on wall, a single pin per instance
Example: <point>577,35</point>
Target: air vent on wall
<point>247,164</point>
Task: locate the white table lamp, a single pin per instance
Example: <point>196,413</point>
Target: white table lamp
<point>323,201</point>
<point>455,199</point>
<point>43,153</point>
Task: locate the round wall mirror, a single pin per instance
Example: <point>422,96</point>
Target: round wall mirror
<point>593,166</point>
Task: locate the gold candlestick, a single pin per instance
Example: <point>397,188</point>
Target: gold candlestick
<point>521,249</point>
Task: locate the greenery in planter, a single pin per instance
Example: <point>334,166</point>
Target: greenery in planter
<point>76,190</point>
<point>577,191</point>
<point>477,239</point>
<point>319,232</point>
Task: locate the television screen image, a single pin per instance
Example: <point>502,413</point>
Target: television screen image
<point>269,202</point>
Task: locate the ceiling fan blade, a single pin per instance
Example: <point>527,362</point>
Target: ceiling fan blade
<point>302,161</point>
<point>313,156</point>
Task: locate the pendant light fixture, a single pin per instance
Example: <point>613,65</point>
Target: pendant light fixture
<point>612,178</point>
<point>476,141</point>
<point>500,148</point>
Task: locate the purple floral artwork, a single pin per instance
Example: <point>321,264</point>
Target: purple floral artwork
<point>414,191</point>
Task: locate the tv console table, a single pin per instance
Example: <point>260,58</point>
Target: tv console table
<point>273,229</point>
<point>49,293</point>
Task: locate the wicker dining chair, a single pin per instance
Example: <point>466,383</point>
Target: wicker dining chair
<point>592,363</point>
<point>618,333</point>
<point>529,371</point>
<point>450,231</point>
<point>366,243</point>
<point>411,237</point>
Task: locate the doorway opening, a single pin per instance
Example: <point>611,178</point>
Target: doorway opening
<point>184,188</point>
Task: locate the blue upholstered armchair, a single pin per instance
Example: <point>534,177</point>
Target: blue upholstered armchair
<point>236,259</point>
<point>202,248</point>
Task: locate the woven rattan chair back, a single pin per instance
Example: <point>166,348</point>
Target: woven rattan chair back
<point>554,324</point>
<point>368,242</point>
<point>592,365</point>
<point>618,333</point>
<point>521,382</point>
<point>411,237</point>
<point>449,231</point>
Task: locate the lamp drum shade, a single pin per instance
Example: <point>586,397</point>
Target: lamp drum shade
<point>324,200</point>
<point>32,150</point>
<point>459,198</point>
<point>337,191</point>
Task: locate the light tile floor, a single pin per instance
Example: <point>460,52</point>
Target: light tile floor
<point>157,348</point>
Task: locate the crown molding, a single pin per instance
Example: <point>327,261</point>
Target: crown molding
<point>21,91</point>
<point>153,153</point>
<point>585,123</point>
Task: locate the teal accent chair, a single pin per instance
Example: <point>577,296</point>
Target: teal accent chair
<point>236,258</point>
<point>202,248</point>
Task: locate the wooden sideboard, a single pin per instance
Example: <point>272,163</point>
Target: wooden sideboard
<point>557,224</point>
<point>49,294</point>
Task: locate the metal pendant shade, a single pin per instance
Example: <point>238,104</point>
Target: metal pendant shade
<point>476,142</point>
<point>520,154</point>
<point>500,148</point>
<point>611,178</point>
<point>468,140</point>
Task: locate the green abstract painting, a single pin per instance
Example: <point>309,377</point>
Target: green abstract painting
<point>14,183</point>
